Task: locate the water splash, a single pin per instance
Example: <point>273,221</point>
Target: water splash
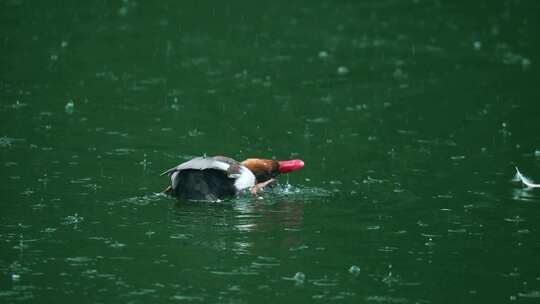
<point>17,269</point>
<point>73,220</point>
<point>299,278</point>
<point>145,162</point>
<point>5,142</point>
<point>18,105</point>
<point>525,180</point>
<point>195,132</point>
<point>175,105</point>
<point>21,246</point>
<point>140,200</point>
<point>534,294</point>
<point>116,245</point>
<point>288,191</point>
<point>390,279</point>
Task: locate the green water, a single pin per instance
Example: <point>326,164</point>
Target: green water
<point>409,115</point>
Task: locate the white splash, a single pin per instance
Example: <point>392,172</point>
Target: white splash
<point>525,180</point>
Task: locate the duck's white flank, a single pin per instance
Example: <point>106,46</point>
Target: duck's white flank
<point>245,180</point>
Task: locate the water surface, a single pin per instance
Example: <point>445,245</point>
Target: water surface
<point>409,115</point>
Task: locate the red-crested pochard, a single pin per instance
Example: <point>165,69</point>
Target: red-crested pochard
<point>216,178</point>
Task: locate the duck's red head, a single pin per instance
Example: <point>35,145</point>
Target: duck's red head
<point>265,169</point>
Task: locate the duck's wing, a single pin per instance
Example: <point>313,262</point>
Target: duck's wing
<point>226,164</point>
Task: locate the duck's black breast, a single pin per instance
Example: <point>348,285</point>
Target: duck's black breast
<point>203,185</point>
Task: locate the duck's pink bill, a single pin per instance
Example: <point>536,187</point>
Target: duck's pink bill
<point>286,166</point>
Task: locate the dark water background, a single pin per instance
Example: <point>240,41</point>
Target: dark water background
<point>409,115</point>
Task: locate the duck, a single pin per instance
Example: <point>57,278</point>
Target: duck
<point>219,177</point>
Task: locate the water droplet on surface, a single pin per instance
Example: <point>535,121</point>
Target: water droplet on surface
<point>5,141</point>
<point>145,162</point>
<point>49,230</point>
<point>123,11</point>
<point>504,130</point>
<point>429,243</point>
<point>399,74</point>
<point>175,106</point>
<point>117,245</point>
<point>18,104</point>
<point>525,63</point>
<point>195,132</point>
<point>299,278</point>
<point>70,107</point>
<point>342,70</point>
<point>73,220</point>
<point>323,54</point>
<point>354,270</point>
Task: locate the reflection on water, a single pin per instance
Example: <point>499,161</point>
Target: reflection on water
<point>528,195</point>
